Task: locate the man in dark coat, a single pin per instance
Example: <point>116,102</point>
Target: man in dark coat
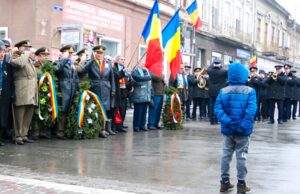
<point>290,80</point>
<point>263,101</point>
<point>6,91</point>
<point>122,89</point>
<point>254,81</point>
<point>102,81</point>
<point>68,85</point>
<point>217,81</point>
<point>295,94</point>
<point>275,93</point>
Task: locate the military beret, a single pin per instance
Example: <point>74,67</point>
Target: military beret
<point>42,50</point>
<point>287,66</point>
<point>25,43</point>
<point>254,67</point>
<point>6,42</point>
<point>67,48</point>
<point>82,51</point>
<point>187,66</point>
<point>197,69</point>
<point>278,66</point>
<point>99,48</point>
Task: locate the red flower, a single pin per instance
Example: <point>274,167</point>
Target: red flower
<point>177,114</point>
<point>170,110</point>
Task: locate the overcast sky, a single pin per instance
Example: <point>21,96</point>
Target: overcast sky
<point>292,6</point>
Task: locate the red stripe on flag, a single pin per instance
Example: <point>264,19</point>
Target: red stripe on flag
<point>198,23</point>
<point>175,64</point>
<point>154,57</point>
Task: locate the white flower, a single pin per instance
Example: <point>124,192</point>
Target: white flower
<point>49,109</point>
<point>96,114</point>
<point>87,97</point>
<point>90,110</point>
<point>90,121</point>
<point>93,105</point>
<point>49,95</point>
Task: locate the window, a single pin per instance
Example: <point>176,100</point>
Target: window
<point>266,34</point>
<point>227,16</point>
<point>278,37</point>
<point>3,32</point>
<point>238,20</point>
<point>282,40</point>
<point>227,58</point>
<point>258,31</point>
<point>113,47</point>
<point>142,51</point>
<point>248,24</point>
<point>273,35</point>
<point>215,14</point>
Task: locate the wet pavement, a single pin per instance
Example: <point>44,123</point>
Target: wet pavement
<point>186,161</point>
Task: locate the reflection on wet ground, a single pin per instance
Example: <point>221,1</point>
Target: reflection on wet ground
<point>161,161</point>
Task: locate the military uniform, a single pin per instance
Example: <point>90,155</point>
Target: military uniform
<point>295,96</point>
<point>288,93</point>
<point>275,94</point>
<point>102,81</point>
<point>39,129</point>
<point>68,85</point>
<point>79,63</point>
<point>25,80</point>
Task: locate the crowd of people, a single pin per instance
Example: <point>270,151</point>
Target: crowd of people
<point>115,83</point>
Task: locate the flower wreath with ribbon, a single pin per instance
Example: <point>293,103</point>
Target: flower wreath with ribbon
<point>176,105</point>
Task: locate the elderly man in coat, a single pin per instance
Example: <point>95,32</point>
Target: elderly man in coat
<point>102,80</point>
<point>68,85</point>
<point>6,91</point>
<point>25,80</point>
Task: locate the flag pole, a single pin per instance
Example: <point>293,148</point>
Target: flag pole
<point>137,45</point>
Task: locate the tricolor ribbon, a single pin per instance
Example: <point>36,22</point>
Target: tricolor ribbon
<point>173,98</point>
<point>53,96</point>
<point>82,101</point>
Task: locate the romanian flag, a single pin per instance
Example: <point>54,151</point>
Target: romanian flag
<point>152,36</point>
<point>193,12</point>
<point>253,61</point>
<point>171,44</point>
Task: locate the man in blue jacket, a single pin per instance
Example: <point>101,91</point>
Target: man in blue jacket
<point>235,108</point>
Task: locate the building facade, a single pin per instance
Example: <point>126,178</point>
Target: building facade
<point>232,29</point>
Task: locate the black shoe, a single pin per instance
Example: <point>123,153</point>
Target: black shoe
<point>102,134</point>
<point>187,119</point>
<point>280,122</point>
<point>111,132</point>
<point>136,130</point>
<point>294,118</point>
<point>285,121</point>
<point>151,128</point>
<point>271,122</point>
<point>28,141</point>
<point>125,127</point>
<point>226,186</point>
<point>143,129</point>
<point>158,127</point>
<point>122,130</point>
<point>1,143</point>
<point>193,117</point>
<point>242,188</point>
<point>61,137</point>
<point>19,142</point>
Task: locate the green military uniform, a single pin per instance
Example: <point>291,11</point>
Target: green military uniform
<point>39,129</point>
<point>25,80</point>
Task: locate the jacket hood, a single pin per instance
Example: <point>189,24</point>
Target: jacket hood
<point>237,74</point>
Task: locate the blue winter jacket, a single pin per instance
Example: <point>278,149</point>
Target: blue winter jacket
<point>235,106</point>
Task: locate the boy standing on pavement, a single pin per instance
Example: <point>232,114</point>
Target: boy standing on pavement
<point>235,108</point>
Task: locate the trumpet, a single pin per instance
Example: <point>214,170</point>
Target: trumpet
<point>274,76</point>
<point>249,77</point>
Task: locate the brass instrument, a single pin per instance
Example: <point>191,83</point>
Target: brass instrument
<point>249,77</point>
<point>274,76</point>
<point>201,81</point>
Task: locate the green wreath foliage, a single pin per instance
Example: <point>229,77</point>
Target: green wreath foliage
<point>93,121</point>
<point>167,116</point>
<point>44,100</point>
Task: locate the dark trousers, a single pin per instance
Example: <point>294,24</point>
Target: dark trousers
<point>139,115</point>
<point>212,117</point>
<point>1,133</point>
<point>123,107</point>
<point>264,108</point>
<point>258,113</point>
<point>188,108</point>
<point>155,111</point>
<point>201,102</point>
<point>279,107</point>
<point>287,109</point>
<point>295,104</point>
